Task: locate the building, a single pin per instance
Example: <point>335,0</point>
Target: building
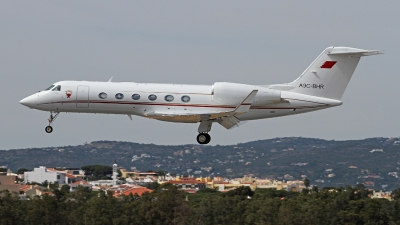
<point>34,190</point>
<point>8,183</point>
<point>82,183</point>
<point>188,183</point>
<point>130,190</point>
<point>380,194</point>
<point>42,174</point>
<point>135,174</point>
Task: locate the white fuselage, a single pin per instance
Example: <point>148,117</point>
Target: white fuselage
<point>84,97</point>
<point>320,86</point>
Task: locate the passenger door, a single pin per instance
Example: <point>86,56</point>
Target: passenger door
<point>82,97</point>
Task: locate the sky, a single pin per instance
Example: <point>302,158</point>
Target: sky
<point>194,42</point>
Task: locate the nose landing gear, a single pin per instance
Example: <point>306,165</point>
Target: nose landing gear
<point>48,129</point>
<point>52,117</point>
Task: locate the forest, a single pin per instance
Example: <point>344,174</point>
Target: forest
<point>168,205</point>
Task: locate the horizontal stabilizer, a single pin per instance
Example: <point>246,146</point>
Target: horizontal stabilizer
<point>352,51</point>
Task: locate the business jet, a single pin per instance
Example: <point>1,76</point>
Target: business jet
<point>320,86</point>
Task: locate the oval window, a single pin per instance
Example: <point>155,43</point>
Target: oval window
<point>169,98</point>
<point>119,96</point>
<point>135,96</point>
<point>185,98</point>
<point>103,95</point>
<point>152,97</point>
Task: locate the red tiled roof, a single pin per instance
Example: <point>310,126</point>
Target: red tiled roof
<point>24,187</point>
<point>139,191</point>
<point>70,175</point>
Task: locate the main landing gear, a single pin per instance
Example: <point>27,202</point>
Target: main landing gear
<point>205,127</point>
<point>203,138</point>
<point>52,117</point>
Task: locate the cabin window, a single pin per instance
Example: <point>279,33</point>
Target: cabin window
<point>57,88</point>
<point>49,88</point>
<point>185,98</point>
<point>119,96</point>
<point>135,96</point>
<point>103,95</point>
<point>152,97</point>
<point>169,98</point>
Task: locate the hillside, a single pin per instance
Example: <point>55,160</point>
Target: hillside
<point>374,162</point>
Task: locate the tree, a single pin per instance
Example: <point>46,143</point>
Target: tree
<point>162,173</point>
<point>97,171</point>
<point>315,189</point>
<point>22,170</point>
<point>360,186</point>
<point>396,194</point>
<point>152,185</point>
<point>65,188</point>
<point>307,182</point>
<point>241,191</point>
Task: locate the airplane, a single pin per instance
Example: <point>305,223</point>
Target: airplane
<point>320,86</point>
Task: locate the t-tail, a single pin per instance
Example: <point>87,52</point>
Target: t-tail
<point>330,73</point>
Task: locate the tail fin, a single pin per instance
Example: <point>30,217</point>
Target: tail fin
<point>330,73</point>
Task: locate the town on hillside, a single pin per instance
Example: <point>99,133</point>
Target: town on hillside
<point>119,182</point>
<point>373,162</point>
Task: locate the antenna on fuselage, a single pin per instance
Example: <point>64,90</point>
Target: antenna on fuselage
<point>110,80</point>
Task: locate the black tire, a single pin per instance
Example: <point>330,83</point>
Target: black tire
<point>48,129</point>
<point>203,138</point>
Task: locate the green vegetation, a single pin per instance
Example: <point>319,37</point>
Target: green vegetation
<point>167,205</point>
<point>97,172</point>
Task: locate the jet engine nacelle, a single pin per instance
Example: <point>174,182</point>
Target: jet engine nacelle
<point>234,94</point>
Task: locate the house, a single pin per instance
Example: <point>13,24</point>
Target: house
<point>33,190</point>
<point>82,183</point>
<point>188,183</point>
<point>8,183</point>
<point>126,174</point>
<point>71,174</point>
<point>41,174</point>
<point>131,190</point>
<point>380,194</point>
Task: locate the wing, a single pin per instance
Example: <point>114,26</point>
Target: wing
<point>194,117</point>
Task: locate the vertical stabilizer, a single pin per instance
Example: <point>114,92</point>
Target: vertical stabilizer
<point>330,73</point>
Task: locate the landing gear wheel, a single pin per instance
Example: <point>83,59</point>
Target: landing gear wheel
<point>48,129</point>
<point>203,138</point>
<point>53,117</point>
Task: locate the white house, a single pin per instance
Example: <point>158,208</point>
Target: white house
<point>42,174</point>
<point>82,183</point>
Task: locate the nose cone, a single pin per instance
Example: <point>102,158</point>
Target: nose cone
<point>29,101</point>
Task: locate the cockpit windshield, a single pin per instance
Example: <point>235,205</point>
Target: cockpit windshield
<point>49,88</point>
<point>57,88</point>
